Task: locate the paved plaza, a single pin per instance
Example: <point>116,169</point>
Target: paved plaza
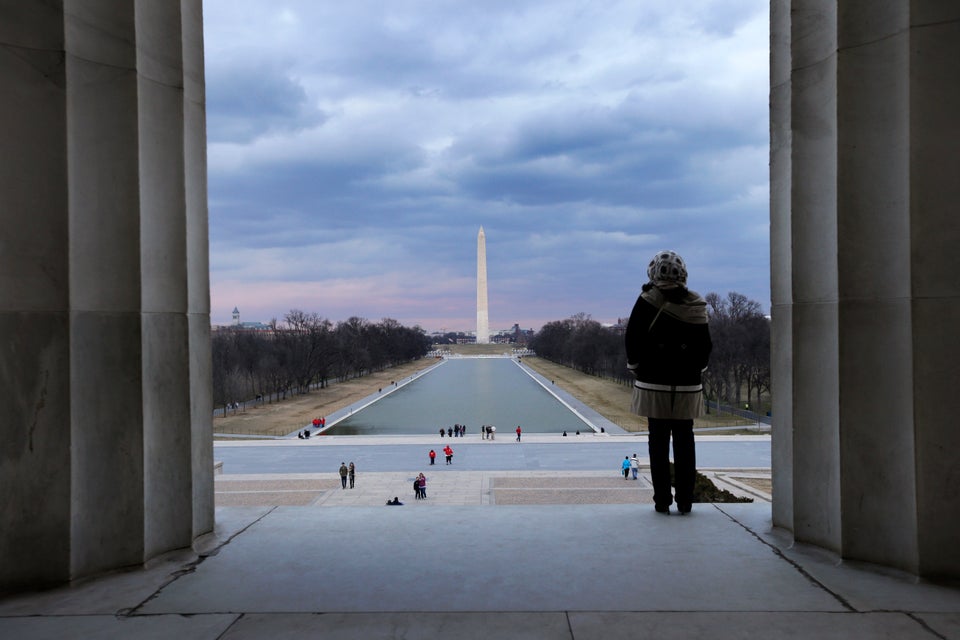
<point>542,469</point>
<point>509,553</point>
<point>462,488</point>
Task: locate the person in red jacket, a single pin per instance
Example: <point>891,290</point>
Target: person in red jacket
<point>449,453</point>
<point>518,433</point>
<point>433,456</point>
<point>668,346</point>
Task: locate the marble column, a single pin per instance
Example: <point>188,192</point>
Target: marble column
<point>865,100</point>
<point>105,454</point>
<point>198,263</point>
<point>781,327</point>
<point>35,448</point>
<point>106,470</point>
<point>483,318</point>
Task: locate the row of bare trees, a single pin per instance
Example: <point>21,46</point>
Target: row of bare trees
<point>306,351</point>
<point>740,361</point>
<point>739,365</point>
<point>584,344</point>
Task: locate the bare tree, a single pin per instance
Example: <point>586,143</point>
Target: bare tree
<point>304,352</point>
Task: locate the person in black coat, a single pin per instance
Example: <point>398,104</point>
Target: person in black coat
<point>668,346</point>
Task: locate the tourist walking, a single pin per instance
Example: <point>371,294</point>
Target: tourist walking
<point>343,475</point>
<point>433,456</point>
<point>668,346</point>
<point>634,466</point>
<point>352,474</point>
<point>625,467</point>
<point>449,453</point>
<point>518,433</point>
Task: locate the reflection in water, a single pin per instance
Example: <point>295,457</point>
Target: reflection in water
<point>467,391</point>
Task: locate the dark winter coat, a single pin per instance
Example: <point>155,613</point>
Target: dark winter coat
<point>668,346</point>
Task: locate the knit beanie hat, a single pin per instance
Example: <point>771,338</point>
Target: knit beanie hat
<point>667,270</point>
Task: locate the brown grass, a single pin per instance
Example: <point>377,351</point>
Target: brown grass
<point>763,484</point>
<point>609,398</point>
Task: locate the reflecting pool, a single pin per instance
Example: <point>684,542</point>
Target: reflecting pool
<point>466,391</point>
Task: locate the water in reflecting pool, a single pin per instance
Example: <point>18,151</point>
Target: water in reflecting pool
<point>467,391</point>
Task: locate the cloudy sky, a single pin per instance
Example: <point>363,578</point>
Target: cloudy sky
<point>356,148</point>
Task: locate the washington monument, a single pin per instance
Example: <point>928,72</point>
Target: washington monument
<point>483,320</point>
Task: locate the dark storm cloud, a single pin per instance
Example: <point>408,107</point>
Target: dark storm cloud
<point>250,100</point>
<point>356,149</point>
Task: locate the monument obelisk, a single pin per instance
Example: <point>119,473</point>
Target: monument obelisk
<point>483,320</point>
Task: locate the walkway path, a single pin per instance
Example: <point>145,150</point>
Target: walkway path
<point>536,452</point>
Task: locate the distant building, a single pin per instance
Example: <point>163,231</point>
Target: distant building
<point>619,327</point>
<point>237,325</point>
<point>513,335</point>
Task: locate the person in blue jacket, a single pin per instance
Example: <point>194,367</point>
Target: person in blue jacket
<point>668,347</point>
<point>625,467</point>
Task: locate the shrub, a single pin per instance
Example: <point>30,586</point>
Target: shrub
<point>705,491</point>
